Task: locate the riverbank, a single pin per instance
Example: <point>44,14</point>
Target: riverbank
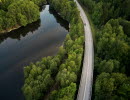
<point>63,68</point>
<point>17,51</point>
<point>13,16</point>
<point>9,30</point>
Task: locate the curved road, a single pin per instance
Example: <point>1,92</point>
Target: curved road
<point>85,88</point>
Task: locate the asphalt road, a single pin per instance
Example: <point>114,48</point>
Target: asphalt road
<point>85,88</point>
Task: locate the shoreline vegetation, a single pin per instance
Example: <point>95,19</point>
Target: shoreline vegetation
<point>58,75</point>
<point>111,20</point>
<point>9,30</point>
<point>13,16</point>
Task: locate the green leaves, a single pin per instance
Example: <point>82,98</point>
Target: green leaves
<point>108,86</point>
<point>108,66</point>
<point>112,43</point>
<point>38,81</point>
<point>65,77</point>
<point>66,93</point>
<point>28,93</point>
<point>39,77</point>
<point>112,48</point>
<point>112,56</point>
<point>39,2</point>
<point>97,14</point>
<point>19,13</point>
<point>64,68</point>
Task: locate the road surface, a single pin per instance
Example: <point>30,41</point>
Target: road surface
<point>85,88</point>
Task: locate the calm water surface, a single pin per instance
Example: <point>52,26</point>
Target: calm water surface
<point>28,44</point>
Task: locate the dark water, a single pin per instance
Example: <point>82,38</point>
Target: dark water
<point>28,44</point>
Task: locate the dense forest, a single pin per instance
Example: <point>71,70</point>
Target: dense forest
<point>58,75</point>
<point>16,13</point>
<point>112,49</point>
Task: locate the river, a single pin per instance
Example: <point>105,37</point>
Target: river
<point>28,44</point>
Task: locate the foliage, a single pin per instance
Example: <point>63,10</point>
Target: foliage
<point>39,2</point>
<point>112,87</point>
<point>112,44</point>
<point>66,93</point>
<point>97,14</point>
<point>107,9</point>
<point>108,66</point>
<point>112,52</point>
<point>39,76</point>
<point>126,26</point>
<point>62,69</point>
<point>17,13</point>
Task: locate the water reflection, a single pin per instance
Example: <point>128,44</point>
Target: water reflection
<point>28,44</point>
<point>59,19</point>
<point>21,32</point>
